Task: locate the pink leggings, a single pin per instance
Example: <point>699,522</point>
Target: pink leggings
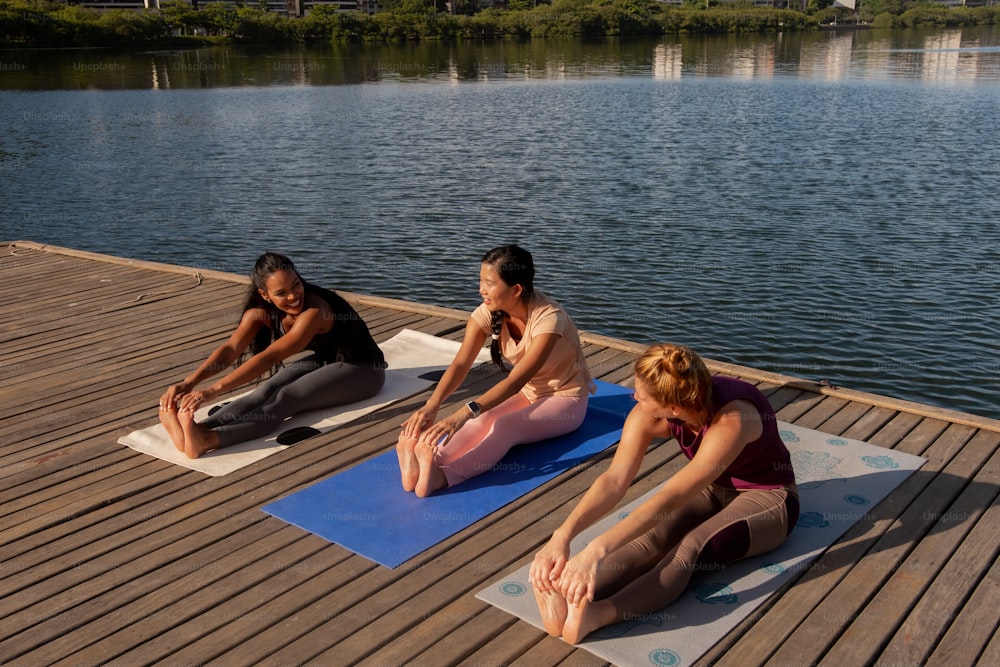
<point>717,527</point>
<point>480,444</point>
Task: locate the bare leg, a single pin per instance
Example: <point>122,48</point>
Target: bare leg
<point>553,609</point>
<point>430,478</point>
<point>198,440</point>
<point>589,616</point>
<point>169,420</point>
<point>408,468</point>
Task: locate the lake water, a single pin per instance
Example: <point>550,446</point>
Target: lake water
<point>820,205</point>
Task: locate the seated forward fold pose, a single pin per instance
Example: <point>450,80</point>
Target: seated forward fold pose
<point>283,316</point>
<point>735,497</point>
<point>544,395</point>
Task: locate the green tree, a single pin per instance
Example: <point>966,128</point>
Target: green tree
<point>411,6</point>
<point>465,7</point>
<point>179,15</point>
<point>870,8</point>
<point>217,18</point>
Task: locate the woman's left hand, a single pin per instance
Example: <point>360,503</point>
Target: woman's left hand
<point>579,577</point>
<point>193,400</point>
<point>440,433</point>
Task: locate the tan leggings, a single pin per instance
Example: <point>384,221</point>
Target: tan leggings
<point>718,526</point>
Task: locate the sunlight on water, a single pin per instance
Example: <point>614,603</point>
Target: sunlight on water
<point>823,206</point>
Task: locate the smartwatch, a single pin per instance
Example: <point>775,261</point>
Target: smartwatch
<point>474,408</point>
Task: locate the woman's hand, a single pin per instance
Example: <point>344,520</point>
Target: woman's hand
<point>191,401</point>
<point>548,565</point>
<point>418,421</point>
<point>440,433</point>
<point>579,577</point>
<point>174,392</point>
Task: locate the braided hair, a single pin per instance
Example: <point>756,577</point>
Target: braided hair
<point>515,266</point>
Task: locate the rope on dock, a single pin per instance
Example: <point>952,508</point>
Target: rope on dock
<point>197,276</point>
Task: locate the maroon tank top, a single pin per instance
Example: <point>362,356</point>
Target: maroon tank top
<point>763,463</point>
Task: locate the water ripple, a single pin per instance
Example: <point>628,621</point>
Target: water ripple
<point>826,231</point>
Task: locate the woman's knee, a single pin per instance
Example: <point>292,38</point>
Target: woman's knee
<point>728,545</point>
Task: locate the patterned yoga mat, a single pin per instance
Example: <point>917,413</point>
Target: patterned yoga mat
<point>840,480</point>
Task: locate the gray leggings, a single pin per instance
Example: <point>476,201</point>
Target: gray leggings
<point>303,385</point>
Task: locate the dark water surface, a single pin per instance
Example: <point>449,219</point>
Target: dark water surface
<point>822,205</point>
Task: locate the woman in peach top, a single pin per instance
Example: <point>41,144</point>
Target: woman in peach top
<point>544,394</point>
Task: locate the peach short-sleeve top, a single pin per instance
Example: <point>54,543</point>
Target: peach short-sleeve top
<point>565,372</point>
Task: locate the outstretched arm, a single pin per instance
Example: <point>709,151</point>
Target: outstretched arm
<point>220,358</point>
<point>452,379</point>
<point>731,429</point>
<point>307,325</point>
<point>538,351</point>
<point>599,499</point>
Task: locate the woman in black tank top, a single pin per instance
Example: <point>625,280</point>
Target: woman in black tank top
<point>283,316</point>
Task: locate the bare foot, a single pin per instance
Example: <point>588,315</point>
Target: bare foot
<point>589,616</point>
<point>408,468</point>
<point>169,420</point>
<point>552,607</point>
<point>198,440</point>
<point>431,478</point>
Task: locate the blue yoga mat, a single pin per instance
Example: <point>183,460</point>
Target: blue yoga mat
<point>365,509</point>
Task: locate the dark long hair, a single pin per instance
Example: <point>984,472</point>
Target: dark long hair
<point>266,266</point>
<point>515,267</point>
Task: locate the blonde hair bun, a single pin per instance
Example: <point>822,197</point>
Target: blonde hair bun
<point>675,375</point>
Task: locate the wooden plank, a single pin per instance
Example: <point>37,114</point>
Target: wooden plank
<point>51,512</point>
<point>205,579</point>
<point>581,658</point>
<point>515,640</point>
<point>812,412</point>
<point>67,607</point>
<point>279,601</point>
<point>950,602</point>
<point>808,409</point>
<point>36,492</point>
<point>473,625</point>
<point>884,614</point>
<point>88,537</point>
<point>991,654</point>
<point>549,651</point>
<point>967,641</point>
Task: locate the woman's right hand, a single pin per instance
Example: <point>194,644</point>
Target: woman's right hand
<point>548,565</point>
<point>418,421</point>
<point>171,397</point>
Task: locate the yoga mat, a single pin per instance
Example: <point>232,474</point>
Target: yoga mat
<point>840,481</point>
<point>415,361</point>
<point>365,509</point>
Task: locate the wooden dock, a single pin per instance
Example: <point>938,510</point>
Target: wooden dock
<point>108,556</point>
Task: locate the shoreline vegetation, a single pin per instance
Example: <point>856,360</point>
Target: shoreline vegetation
<point>48,24</point>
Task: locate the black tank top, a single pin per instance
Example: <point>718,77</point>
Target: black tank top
<point>349,339</point>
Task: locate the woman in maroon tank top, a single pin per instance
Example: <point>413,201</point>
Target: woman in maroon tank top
<point>737,463</point>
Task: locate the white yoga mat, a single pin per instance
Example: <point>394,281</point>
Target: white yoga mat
<point>409,354</point>
<point>840,481</point>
